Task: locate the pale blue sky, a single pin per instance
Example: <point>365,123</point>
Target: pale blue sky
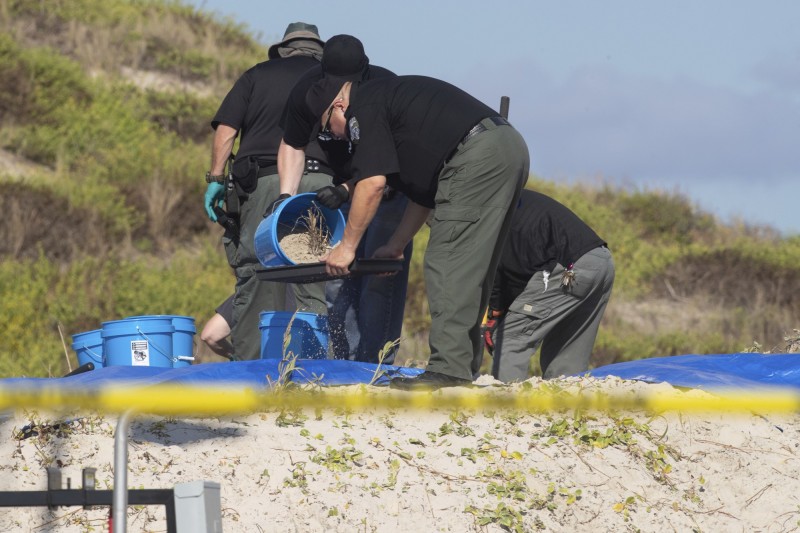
<point>700,97</point>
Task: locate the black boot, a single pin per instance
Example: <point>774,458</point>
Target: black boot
<point>428,381</point>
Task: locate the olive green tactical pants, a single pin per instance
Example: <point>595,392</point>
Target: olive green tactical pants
<point>564,320</point>
<point>477,188</point>
<point>253,295</point>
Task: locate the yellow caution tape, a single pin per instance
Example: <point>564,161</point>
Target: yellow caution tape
<point>171,400</point>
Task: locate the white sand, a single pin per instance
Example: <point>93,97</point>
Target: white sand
<point>434,470</point>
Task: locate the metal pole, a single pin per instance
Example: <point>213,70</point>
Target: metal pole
<point>119,506</point>
<point>504,101</point>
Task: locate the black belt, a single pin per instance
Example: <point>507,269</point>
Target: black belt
<point>268,168</point>
<point>476,129</point>
<point>315,165</point>
<point>480,128</point>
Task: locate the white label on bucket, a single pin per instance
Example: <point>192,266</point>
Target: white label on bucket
<point>140,353</point>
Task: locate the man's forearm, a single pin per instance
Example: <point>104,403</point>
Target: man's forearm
<point>221,148</point>
<point>414,217</point>
<point>291,164</point>
<point>365,198</point>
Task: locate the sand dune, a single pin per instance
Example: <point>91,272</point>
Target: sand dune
<point>421,470</point>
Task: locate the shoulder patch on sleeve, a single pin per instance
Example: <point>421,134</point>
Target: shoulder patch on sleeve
<point>354,132</point>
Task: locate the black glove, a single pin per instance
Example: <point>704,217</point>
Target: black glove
<point>274,205</point>
<point>333,197</point>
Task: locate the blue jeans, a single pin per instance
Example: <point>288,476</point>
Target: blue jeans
<point>366,312</point>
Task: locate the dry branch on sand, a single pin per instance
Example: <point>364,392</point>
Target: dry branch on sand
<point>308,239</point>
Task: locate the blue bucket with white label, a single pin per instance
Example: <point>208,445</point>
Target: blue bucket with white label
<point>140,341</point>
<point>88,346</point>
<point>287,217</point>
<point>307,334</point>
<point>182,339</point>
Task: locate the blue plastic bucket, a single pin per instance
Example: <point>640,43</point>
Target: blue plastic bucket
<point>182,339</point>
<point>308,331</point>
<point>88,346</point>
<point>140,341</point>
<point>286,216</point>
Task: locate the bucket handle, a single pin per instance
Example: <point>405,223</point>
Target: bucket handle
<point>93,353</point>
<point>154,345</point>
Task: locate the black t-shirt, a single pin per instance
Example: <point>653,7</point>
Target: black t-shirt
<point>300,126</point>
<point>543,233</point>
<point>405,128</point>
<point>255,103</point>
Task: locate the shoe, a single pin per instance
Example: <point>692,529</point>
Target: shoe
<point>428,381</point>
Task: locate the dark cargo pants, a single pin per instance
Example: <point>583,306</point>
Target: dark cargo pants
<point>471,220</point>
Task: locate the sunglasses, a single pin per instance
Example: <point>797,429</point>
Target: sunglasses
<point>325,134</point>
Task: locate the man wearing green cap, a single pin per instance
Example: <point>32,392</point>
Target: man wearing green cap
<point>252,109</point>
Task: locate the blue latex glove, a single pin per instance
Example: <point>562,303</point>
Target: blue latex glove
<point>215,195</point>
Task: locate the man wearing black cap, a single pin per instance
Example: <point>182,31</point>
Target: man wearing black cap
<point>450,154</point>
<point>364,313</point>
<point>253,109</point>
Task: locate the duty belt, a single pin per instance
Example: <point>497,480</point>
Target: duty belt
<point>476,129</point>
<point>314,165</point>
<point>480,128</point>
<point>267,168</point>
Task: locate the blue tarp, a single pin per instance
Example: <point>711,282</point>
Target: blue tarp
<point>738,370</point>
<point>741,370</point>
<point>256,374</point>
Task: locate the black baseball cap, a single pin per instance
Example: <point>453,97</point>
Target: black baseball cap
<point>322,93</point>
<point>343,57</point>
<point>343,60</point>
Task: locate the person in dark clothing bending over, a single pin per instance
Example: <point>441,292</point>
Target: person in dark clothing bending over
<point>551,288</point>
<point>364,313</point>
<point>447,152</point>
<point>253,108</point>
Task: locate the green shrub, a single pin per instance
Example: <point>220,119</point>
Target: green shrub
<point>31,345</point>
<point>664,216</point>
<point>617,345</point>
<point>130,33</point>
<point>185,115</point>
<point>89,11</point>
<point>416,313</point>
<point>41,219</point>
<point>187,64</point>
<point>36,83</point>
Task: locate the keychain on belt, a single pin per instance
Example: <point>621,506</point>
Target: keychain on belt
<point>568,278</point>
